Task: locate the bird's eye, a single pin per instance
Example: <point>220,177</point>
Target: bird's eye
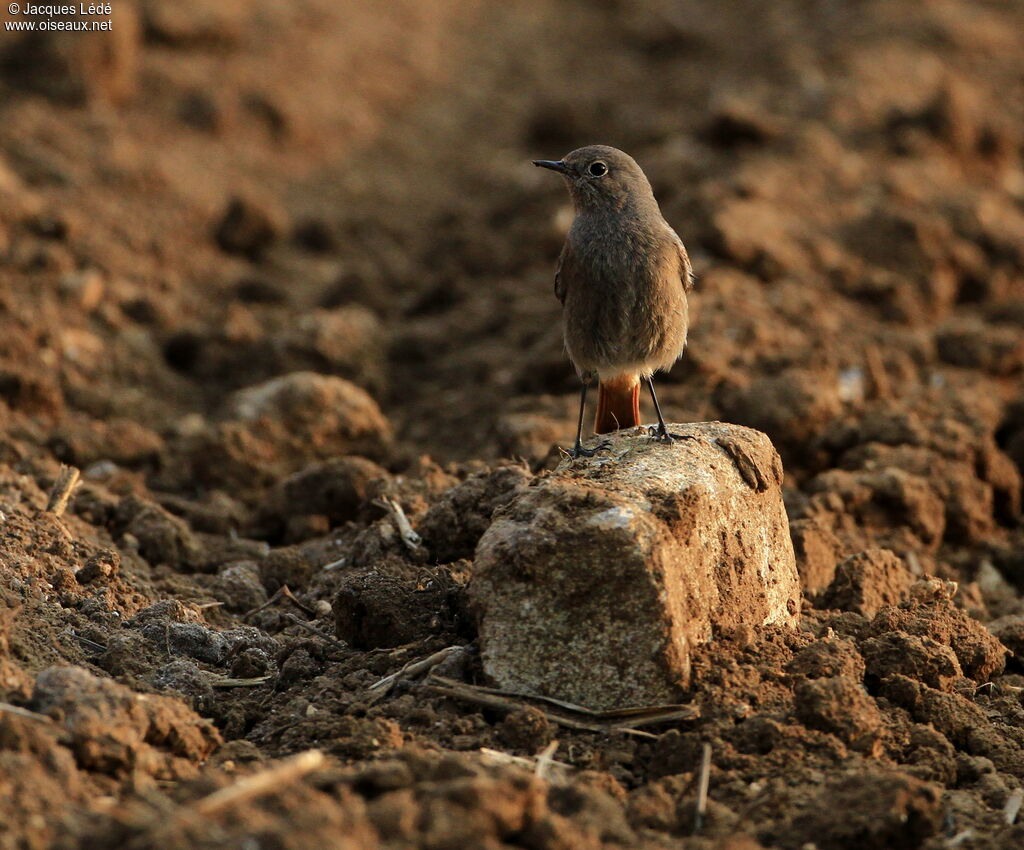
<point>598,169</point>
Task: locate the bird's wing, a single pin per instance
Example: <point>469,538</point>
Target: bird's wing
<point>559,280</point>
<point>685,269</point>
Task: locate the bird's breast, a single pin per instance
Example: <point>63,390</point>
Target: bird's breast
<point>624,302</point>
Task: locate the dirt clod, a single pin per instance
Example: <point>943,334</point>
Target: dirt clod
<point>919,658</point>
<point>868,581</point>
<point>112,729</point>
<point>840,706</point>
<point>526,729</point>
<point>246,228</point>
<point>883,809</point>
<point>102,565</point>
<point>390,605</point>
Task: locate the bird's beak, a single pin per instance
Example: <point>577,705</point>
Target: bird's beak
<point>553,164</point>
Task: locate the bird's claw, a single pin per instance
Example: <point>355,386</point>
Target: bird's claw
<point>663,435</point>
<point>578,451</point>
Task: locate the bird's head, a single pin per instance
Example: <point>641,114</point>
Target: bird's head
<point>602,178</point>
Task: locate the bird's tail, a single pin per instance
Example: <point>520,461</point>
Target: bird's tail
<point>618,404</point>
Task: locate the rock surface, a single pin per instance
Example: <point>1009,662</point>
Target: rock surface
<point>596,581</point>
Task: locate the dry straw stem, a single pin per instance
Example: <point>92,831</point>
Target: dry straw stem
<point>657,713</point>
<point>283,592</point>
<point>90,644</point>
<point>63,487</point>
<point>542,765</point>
<point>545,760</point>
<point>228,682</point>
<point>620,720</point>
<point>24,712</point>
<point>256,785</point>
<point>413,542</point>
<point>880,386</point>
<point>1012,807</point>
<point>335,565</point>
<point>414,668</point>
<point>313,630</point>
<point>286,593</point>
<point>702,788</point>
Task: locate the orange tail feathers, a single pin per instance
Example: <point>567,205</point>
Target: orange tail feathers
<point>618,404</point>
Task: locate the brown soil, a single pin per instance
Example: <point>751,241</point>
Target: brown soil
<point>267,268</point>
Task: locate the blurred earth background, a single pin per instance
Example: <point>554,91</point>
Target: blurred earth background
<point>264,264</point>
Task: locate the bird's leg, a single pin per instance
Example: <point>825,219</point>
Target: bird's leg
<point>577,449</point>
<point>661,432</point>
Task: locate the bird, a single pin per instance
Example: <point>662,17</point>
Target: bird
<point>622,277</point>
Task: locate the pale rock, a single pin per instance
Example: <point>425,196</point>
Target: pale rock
<point>594,584</point>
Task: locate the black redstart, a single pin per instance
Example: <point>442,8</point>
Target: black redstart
<point>622,278</point>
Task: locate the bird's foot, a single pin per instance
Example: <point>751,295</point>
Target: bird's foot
<point>578,451</point>
<point>663,435</point>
